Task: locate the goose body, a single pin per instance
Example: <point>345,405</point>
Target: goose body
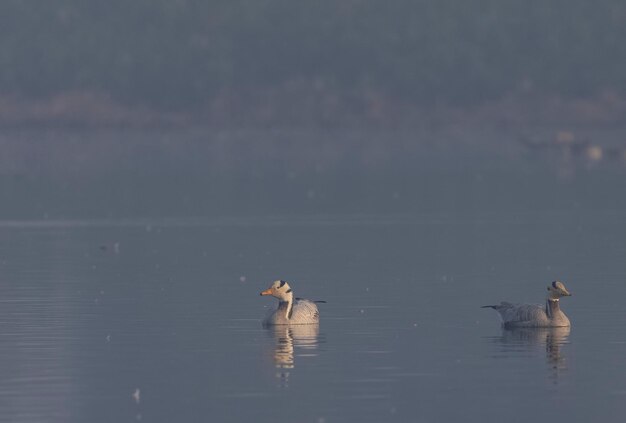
<point>535,315</point>
<point>290,310</point>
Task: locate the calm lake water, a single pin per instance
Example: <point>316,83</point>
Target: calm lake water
<point>130,287</point>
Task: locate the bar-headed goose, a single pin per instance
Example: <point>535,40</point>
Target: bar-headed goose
<point>290,311</point>
<point>534,315</point>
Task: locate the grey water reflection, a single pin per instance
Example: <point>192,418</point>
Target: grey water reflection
<point>291,342</point>
<point>531,340</point>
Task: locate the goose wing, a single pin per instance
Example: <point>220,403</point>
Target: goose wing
<point>521,314</point>
<point>305,311</point>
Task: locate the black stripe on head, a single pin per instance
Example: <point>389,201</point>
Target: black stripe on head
<point>282,283</point>
<point>554,285</point>
<point>288,291</point>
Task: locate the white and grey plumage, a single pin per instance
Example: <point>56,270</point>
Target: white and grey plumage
<point>290,311</point>
<point>534,315</point>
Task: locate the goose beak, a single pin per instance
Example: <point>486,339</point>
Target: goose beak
<point>267,292</point>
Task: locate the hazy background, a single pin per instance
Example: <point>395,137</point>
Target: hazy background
<point>162,161</point>
<point>190,107</point>
<point>340,63</point>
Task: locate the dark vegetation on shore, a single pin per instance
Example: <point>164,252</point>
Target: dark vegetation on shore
<point>337,63</point>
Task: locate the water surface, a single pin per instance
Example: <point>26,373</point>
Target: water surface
<point>158,318</point>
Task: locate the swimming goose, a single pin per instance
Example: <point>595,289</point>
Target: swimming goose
<point>534,315</point>
<point>290,311</point>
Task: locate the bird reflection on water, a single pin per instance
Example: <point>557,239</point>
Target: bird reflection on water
<point>291,342</point>
<point>529,339</point>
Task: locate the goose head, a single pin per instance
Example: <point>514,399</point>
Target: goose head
<point>279,289</point>
<point>557,290</point>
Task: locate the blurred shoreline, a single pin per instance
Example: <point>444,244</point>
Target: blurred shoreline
<point>119,172</point>
<point>297,107</point>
